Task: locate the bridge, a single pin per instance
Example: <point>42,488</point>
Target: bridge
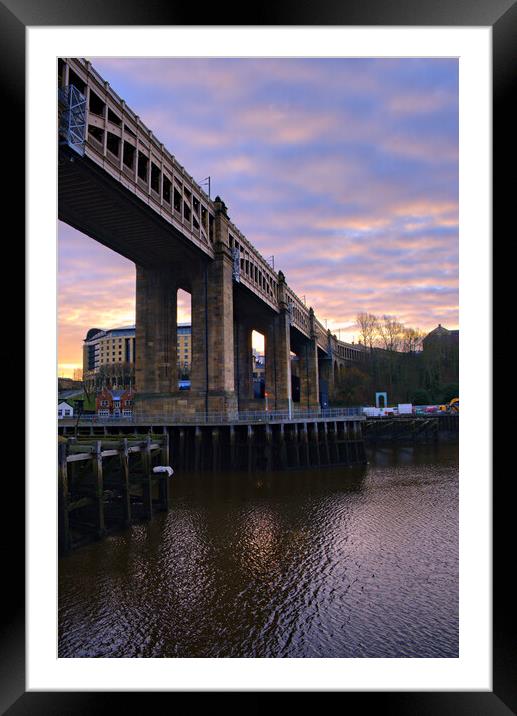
<point>119,185</point>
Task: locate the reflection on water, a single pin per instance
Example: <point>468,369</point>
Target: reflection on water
<point>341,562</point>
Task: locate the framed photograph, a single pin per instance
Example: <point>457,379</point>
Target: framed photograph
<point>34,675</point>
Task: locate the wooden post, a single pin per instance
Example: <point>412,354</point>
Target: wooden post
<point>326,443</point>
<point>163,484</point>
<point>250,448</point>
<point>147,493</point>
<point>316,438</point>
<point>215,449</point>
<point>334,441</point>
<point>63,520</point>
<point>232,446</point>
<point>182,459</point>
<point>305,440</point>
<point>268,449</point>
<point>296,442</point>
<point>126,498</point>
<point>99,490</point>
<point>198,446</point>
<point>347,453</point>
<point>283,448</point>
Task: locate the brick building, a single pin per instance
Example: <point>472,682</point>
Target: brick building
<point>115,403</point>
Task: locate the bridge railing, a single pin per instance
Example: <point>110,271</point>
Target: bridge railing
<point>272,416</point>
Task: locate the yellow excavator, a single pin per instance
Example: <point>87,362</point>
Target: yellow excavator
<point>452,407</point>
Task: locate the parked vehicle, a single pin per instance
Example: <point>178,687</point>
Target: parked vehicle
<point>452,407</point>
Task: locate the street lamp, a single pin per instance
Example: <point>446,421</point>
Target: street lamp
<point>206,182</point>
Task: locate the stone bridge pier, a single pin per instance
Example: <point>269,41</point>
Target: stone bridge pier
<point>306,351</point>
<point>212,371</point>
<point>224,316</point>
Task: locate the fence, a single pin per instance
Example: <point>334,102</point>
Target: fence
<point>218,418</point>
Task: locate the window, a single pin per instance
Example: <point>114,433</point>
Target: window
<point>113,144</point>
<point>143,163</point>
<point>129,155</point>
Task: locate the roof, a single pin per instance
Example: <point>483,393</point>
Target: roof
<point>115,393</point>
<point>441,331</point>
<point>94,333</point>
<point>64,394</point>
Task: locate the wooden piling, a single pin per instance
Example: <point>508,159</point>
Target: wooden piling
<point>282,447</point>
<point>215,449</point>
<point>63,517</point>
<point>126,497</point>
<point>198,446</point>
<point>305,441</point>
<point>335,442</point>
<point>268,447</point>
<point>326,444</point>
<point>316,440</point>
<point>163,483</point>
<point>100,527</point>
<point>232,446</point>
<point>147,492</point>
<point>250,436</point>
<point>296,443</point>
<point>182,463</point>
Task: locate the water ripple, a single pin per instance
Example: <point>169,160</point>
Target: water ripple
<point>327,563</point>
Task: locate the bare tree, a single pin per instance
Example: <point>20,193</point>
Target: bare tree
<point>391,333</point>
<point>368,327</point>
<point>411,339</point>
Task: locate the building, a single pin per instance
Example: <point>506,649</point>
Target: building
<point>109,356</point>
<point>65,410</point>
<point>115,403</point>
<point>184,351</point>
<point>259,373</point>
<point>259,364</point>
<point>440,352</point>
<point>441,336</point>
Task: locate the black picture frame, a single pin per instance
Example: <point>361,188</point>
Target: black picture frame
<point>501,15</point>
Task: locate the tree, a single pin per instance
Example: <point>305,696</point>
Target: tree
<point>450,391</point>
<point>411,339</point>
<point>391,332</point>
<point>115,374</point>
<point>421,397</point>
<point>368,326</point>
<point>353,387</point>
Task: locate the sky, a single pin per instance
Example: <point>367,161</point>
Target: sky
<point>344,170</point>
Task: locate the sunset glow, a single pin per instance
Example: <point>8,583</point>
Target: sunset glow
<point>343,170</point>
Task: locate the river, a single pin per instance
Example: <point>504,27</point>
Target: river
<point>337,562</point>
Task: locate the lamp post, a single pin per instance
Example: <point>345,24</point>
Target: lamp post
<point>206,182</point>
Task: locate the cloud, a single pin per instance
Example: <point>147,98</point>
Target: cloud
<point>346,170</point>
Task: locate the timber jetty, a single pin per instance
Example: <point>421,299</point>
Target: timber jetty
<point>412,428</point>
<point>107,484</point>
<point>254,442</point>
